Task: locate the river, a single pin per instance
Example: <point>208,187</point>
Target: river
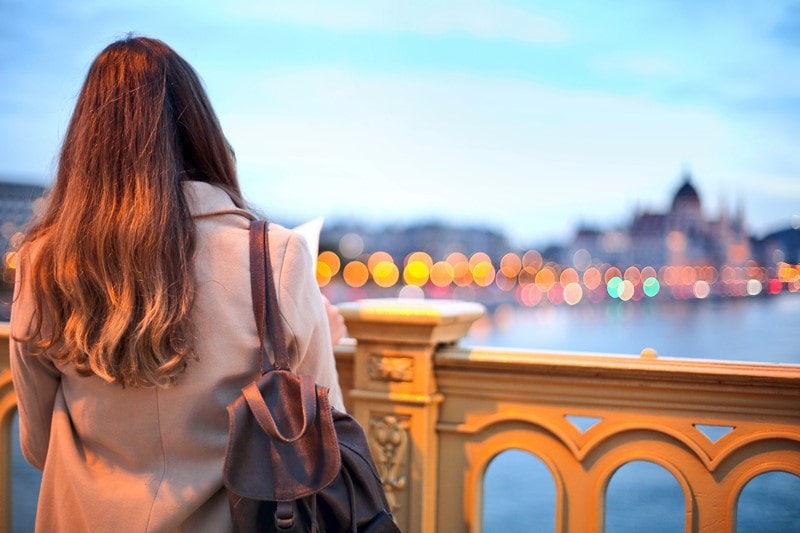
<point>757,329</point>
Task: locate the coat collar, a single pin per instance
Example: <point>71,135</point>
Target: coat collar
<point>205,200</point>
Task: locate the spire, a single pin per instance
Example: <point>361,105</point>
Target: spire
<point>739,218</point>
<point>686,193</point>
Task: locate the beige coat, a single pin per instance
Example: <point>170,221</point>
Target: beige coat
<point>132,459</point>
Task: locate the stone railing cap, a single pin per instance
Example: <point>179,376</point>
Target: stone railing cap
<point>411,311</point>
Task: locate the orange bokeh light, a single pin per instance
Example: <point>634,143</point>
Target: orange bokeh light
<point>330,259</point>
<point>532,261</point>
<point>378,257</point>
<point>385,274</point>
<point>442,274</point>
<point>545,279</point>
<point>611,272</point>
<point>483,273</point>
<point>324,274</point>
<point>422,257</point>
<point>592,278</point>
<point>355,273</point>
<point>478,258</point>
<point>510,265</point>
<point>569,275</point>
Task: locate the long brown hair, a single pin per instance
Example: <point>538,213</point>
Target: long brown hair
<point>111,255</point>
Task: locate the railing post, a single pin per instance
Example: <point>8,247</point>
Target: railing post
<point>395,396</point>
<point>8,406</point>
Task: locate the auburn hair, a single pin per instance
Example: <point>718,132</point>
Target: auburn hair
<point>110,262</point>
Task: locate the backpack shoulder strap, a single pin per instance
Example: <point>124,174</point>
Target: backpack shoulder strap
<point>265,300</point>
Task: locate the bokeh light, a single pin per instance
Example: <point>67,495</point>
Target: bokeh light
<point>582,259</point>
<point>701,289</point>
<point>568,275</point>
<point>612,286</point>
<point>456,257</point>
<point>378,257</point>
<point>556,294</point>
<point>545,279</point>
<point>526,277</point>
<point>532,261</point>
<point>351,245</point>
<point>442,273</point>
<point>669,275</point>
<point>422,257</point>
<point>330,259</point>
<point>651,286</point>
<point>324,273</point>
<point>504,283</point>
<point>411,292</point>
<point>385,273</point>
<point>483,273</point>
<point>573,293</point>
<point>478,258</point>
<point>754,287</point>
<point>529,295</point>
<point>633,275</point>
<point>592,278</point>
<point>688,275</point>
<point>462,276</point>
<point>610,273</point>
<point>531,280</point>
<point>416,273</point>
<point>355,274</point>
<point>510,265</point>
<point>625,290</point>
<point>648,272</point>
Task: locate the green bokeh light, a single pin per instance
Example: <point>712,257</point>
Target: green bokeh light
<point>651,287</point>
<point>613,286</point>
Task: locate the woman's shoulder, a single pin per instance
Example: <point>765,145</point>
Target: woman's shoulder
<point>292,261</point>
<point>284,241</point>
<point>278,232</point>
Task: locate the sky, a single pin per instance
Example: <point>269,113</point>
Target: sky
<point>526,117</point>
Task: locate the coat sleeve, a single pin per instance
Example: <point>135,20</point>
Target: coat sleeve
<point>305,320</point>
<point>36,379</point>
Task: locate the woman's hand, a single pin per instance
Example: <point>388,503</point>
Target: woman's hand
<point>335,321</point>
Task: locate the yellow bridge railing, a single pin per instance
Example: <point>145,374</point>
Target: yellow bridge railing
<point>436,414</point>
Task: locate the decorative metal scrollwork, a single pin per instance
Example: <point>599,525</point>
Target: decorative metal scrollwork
<point>388,442</point>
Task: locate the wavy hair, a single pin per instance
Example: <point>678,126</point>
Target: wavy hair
<point>110,261</point>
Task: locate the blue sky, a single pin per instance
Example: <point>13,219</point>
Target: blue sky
<point>529,117</point>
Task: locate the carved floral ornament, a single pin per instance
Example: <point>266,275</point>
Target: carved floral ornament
<point>388,442</point>
<point>388,368</point>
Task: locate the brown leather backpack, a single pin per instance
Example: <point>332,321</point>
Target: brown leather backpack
<point>294,463</point>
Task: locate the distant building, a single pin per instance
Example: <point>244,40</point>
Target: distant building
<point>435,238</point>
<point>17,204</point>
<point>780,246</point>
<point>684,235</point>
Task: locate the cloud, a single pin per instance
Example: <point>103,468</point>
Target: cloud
<point>525,155</point>
<point>322,124</point>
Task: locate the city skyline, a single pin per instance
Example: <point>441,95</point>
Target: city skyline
<point>530,118</point>
<point>625,220</point>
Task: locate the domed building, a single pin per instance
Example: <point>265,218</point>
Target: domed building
<point>684,235</point>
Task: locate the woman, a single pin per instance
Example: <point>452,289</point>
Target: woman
<point>132,324</point>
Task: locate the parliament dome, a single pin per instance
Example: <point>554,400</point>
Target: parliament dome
<point>686,195</point>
